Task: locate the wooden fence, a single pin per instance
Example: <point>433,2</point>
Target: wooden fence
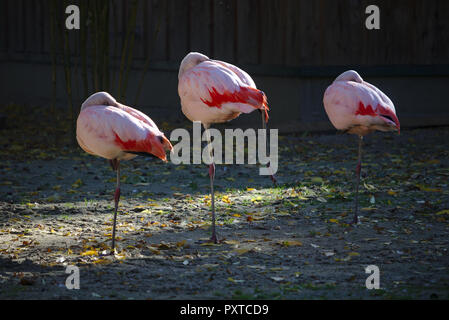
<point>290,33</point>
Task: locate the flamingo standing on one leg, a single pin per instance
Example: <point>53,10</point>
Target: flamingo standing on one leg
<point>357,107</point>
<point>117,132</point>
<point>213,91</point>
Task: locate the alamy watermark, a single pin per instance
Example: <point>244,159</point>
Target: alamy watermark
<point>373,281</point>
<point>73,280</point>
<point>72,21</point>
<point>372,22</point>
<point>256,147</point>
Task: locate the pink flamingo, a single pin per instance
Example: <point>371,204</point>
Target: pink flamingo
<point>117,132</point>
<point>357,107</point>
<point>213,91</point>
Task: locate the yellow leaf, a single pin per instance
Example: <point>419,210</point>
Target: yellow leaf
<point>353,254</point>
<point>226,199</point>
<point>242,251</point>
<point>181,243</point>
<point>120,256</point>
<point>90,253</point>
<point>290,243</point>
<point>428,189</point>
<point>155,251</point>
<point>333,220</point>
<point>442,212</point>
<point>276,269</point>
<point>232,242</point>
<point>77,183</point>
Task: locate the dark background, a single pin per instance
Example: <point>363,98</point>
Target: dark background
<point>293,49</point>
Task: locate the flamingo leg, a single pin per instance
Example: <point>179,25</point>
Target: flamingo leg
<point>264,127</point>
<point>213,238</point>
<point>358,170</point>
<point>116,201</point>
<point>212,176</point>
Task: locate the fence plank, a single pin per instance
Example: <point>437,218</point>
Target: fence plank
<point>200,27</point>
<point>4,26</point>
<point>292,34</point>
<point>18,34</point>
<point>178,25</point>
<point>295,33</point>
<point>273,32</point>
<point>139,43</point>
<point>159,17</point>
<point>224,28</point>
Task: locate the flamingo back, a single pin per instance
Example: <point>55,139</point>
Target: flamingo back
<point>359,107</point>
<point>112,132</point>
<point>215,91</point>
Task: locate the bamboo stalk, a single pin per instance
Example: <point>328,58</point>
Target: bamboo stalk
<point>83,45</point>
<point>95,45</point>
<point>130,29</point>
<point>105,23</point>
<point>65,48</point>
<point>131,47</point>
<point>116,50</point>
<point>76,67</point>
<point>53,63</point>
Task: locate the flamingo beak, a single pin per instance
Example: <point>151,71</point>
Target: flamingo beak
<point>167,144</point>
<point>389,116</point>
<point>159,147</point>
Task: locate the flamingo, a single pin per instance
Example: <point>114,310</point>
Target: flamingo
<point>213,91</point>
<point>116,132</point>
<point>357,107</point>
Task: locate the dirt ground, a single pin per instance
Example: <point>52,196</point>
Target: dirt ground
<point>290,241</point>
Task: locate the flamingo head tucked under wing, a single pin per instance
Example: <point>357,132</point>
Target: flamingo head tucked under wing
<point>388,116</point>
<point>154,145</point>
<point>160,145</point>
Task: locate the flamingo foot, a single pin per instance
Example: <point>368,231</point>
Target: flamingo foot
<point>214,238</point>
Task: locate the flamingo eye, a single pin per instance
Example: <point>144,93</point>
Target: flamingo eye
<point>161,140</point>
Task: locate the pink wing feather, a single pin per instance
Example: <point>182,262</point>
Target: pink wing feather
<point>111,131</point>
<point>359,104</point>
<point>218,85</point>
